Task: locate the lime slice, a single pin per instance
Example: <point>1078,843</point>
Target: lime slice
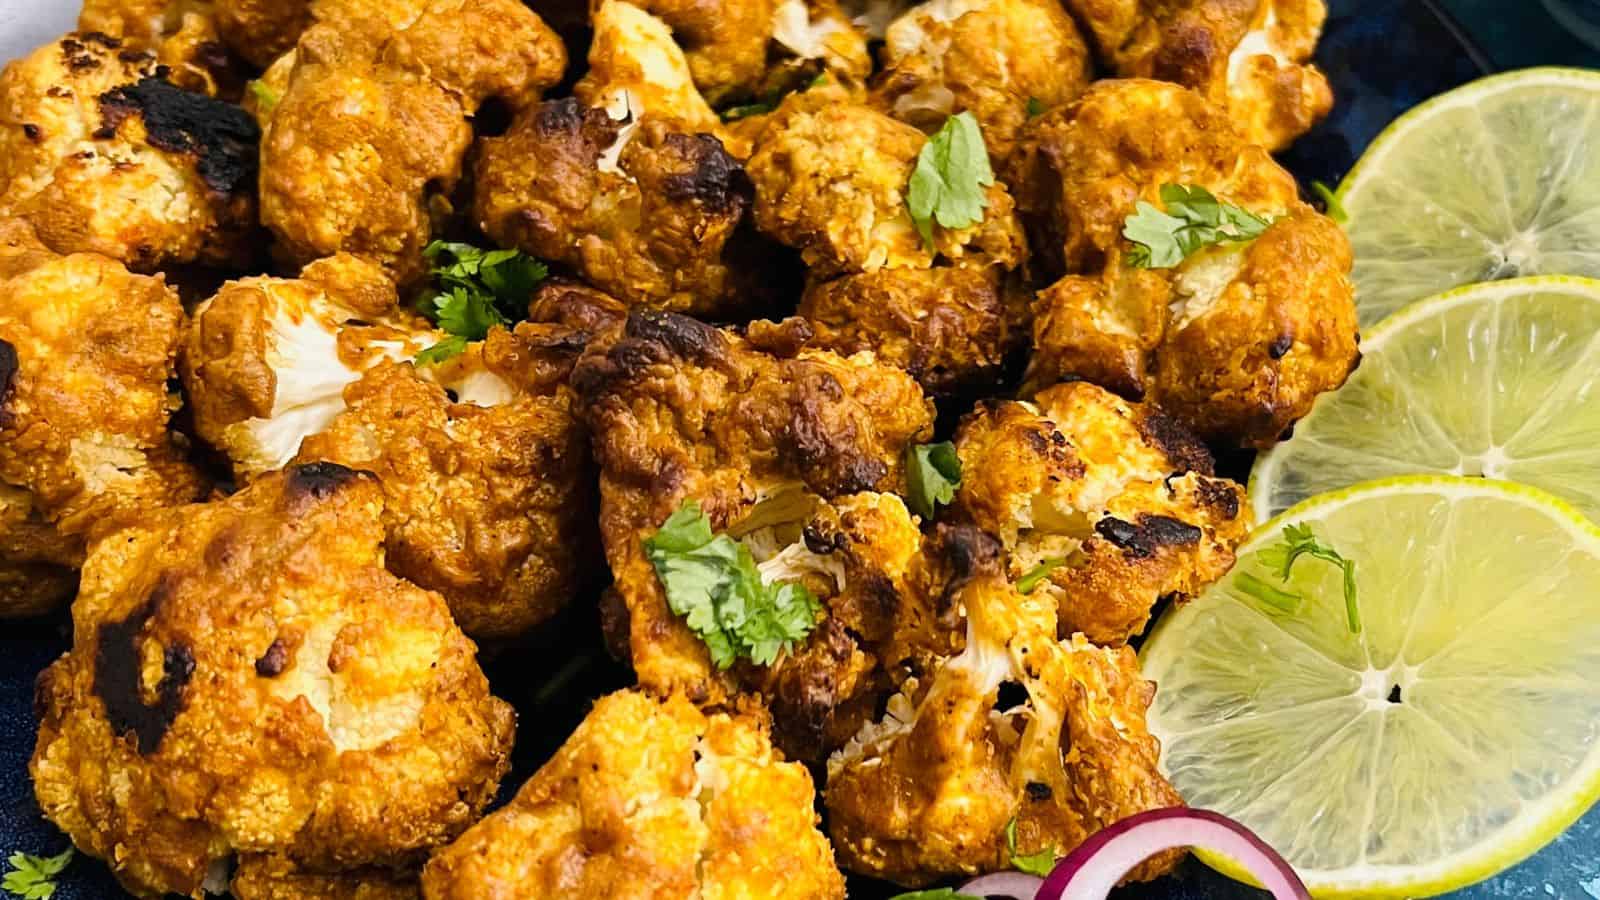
<point>1456,734</point>
<point>1497,179</point>
<point>1500,380</point>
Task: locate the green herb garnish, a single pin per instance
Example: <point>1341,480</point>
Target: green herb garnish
<point>33,877</point>
<point>1330,201</point>
<point>1039,573</point>
<point>1194,219</point>
<point>711,580</point>
<point>478,289</point>
<point>1035,108</point>
<point>943,893</point>
<point>1298,541</point>
<point>933,472</point>
<point>1038,864</point>
<point>266,98</point>
<point>746,110</point>
<point>948,183</point>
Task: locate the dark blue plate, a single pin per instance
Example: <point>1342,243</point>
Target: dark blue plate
<point>1383,56</point>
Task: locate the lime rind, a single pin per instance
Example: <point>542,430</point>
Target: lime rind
<point>1416,443</point>
<point>1519,836</point>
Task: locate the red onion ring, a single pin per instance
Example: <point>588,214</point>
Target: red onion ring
<point>1092,870</point>
<point>1015,885</point>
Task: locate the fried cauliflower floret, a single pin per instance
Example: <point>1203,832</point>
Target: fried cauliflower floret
<point>949,327</point>
<point>267,360</point>
<point>793,451</point>
<point>1249,57</point>
<point>1115,500</point>
<point>275,878</point>
<point>650,800</point>
<point>101,153</point>
<point>247,681</point>
<point>637,71</point>
<point>182,33</point>
<point>86,353</point>
<point>745,49</point>
<point>643,211</point>
<point>1237,340</point>
<point>927,792</point>
<point>831,179</point>
<point>1000,59</point>
<point>262,30</point>
<point>486,492</point>
<point>366,143</point>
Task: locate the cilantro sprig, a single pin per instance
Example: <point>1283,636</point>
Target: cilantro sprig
<point>947,186</point>
<point>1036,575</point>
<point>33,877</point>
<point>1300,541</point>
<point>1039,863</point>
<point>933,473</point>
<point>1193,220</point>
<point>1035,108</point>
<point>712,581</point>
<point>477,290</point>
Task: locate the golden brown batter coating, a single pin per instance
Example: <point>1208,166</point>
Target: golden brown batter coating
<point>946,326</point>
<point>86,352</point>
<point>262,30</point>
<point>1239,339</point>
<point>996,58</point>
<point>652,222</point>
<point>267,360</point>
<point>1117,493</point>
<point>793,451</point>
<point>830,179</point>
<point>247,680</point>
<point>927,792</point>
<point>1250,57</point>
<point>274,878</point>
<point>367,141</point>
<point>650,800</point>
<point>182,33</point>
<point>101,153</point>
<point>636,71</point>
<point>487,499</point>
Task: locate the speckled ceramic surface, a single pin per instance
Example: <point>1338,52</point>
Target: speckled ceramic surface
<point>1383,57</point>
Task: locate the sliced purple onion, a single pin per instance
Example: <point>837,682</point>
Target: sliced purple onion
<point>1016,885</point>
<point>1092,870</point>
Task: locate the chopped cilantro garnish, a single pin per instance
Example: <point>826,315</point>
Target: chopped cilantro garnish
<point>478,289</point>
<point>1330,201</point>
<point>1194,219</point>
<point>1039,573</point>
<point>933,472</point>
<point>1039,863</point>
<point>1298,541</point>
<point>266,98</point>
<point>1035,108</point>
<point>33,877</point>
<point>711,580</point>
<point>948,183</point>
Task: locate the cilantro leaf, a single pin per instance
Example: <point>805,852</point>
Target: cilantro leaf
<point>1330,200</point>
<point>1036,575</point>
<point>712,581</point>
<point>478,289</point>
<point>947,184</point>
<point>1039,863</point>
<point>933,472</point>
<point>33,877</point>
<point>745,111</point>
<point>266,98</point>
<point>943,893</point>
<point>1300,541</point>
<point>1035,108</point>
<point>1193,220</point>
<point>449,348</point>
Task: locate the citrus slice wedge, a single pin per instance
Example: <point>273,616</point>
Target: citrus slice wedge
<point>1455,734</point>
<point>1500,380</point>
<point>1497,179</point>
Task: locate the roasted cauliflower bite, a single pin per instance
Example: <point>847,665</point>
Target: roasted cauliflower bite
<point>1239,339</point>
<point>86,352</point>
<point>791,450</point>
<point>830,179</point>
<point>182,34</point>
<point>267,360</point>
<point>101,153</point>
<point>1117,495</point>
<point>366,143</point>
<point>744,49</point>
<point>487,492</point>
<point>262,30</point>
<point>994,58</point>
<point>1250,57</point>
<point>927,791</point>
<point>247,682</point>
<point>276,878</point>
<point>650,800</point>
